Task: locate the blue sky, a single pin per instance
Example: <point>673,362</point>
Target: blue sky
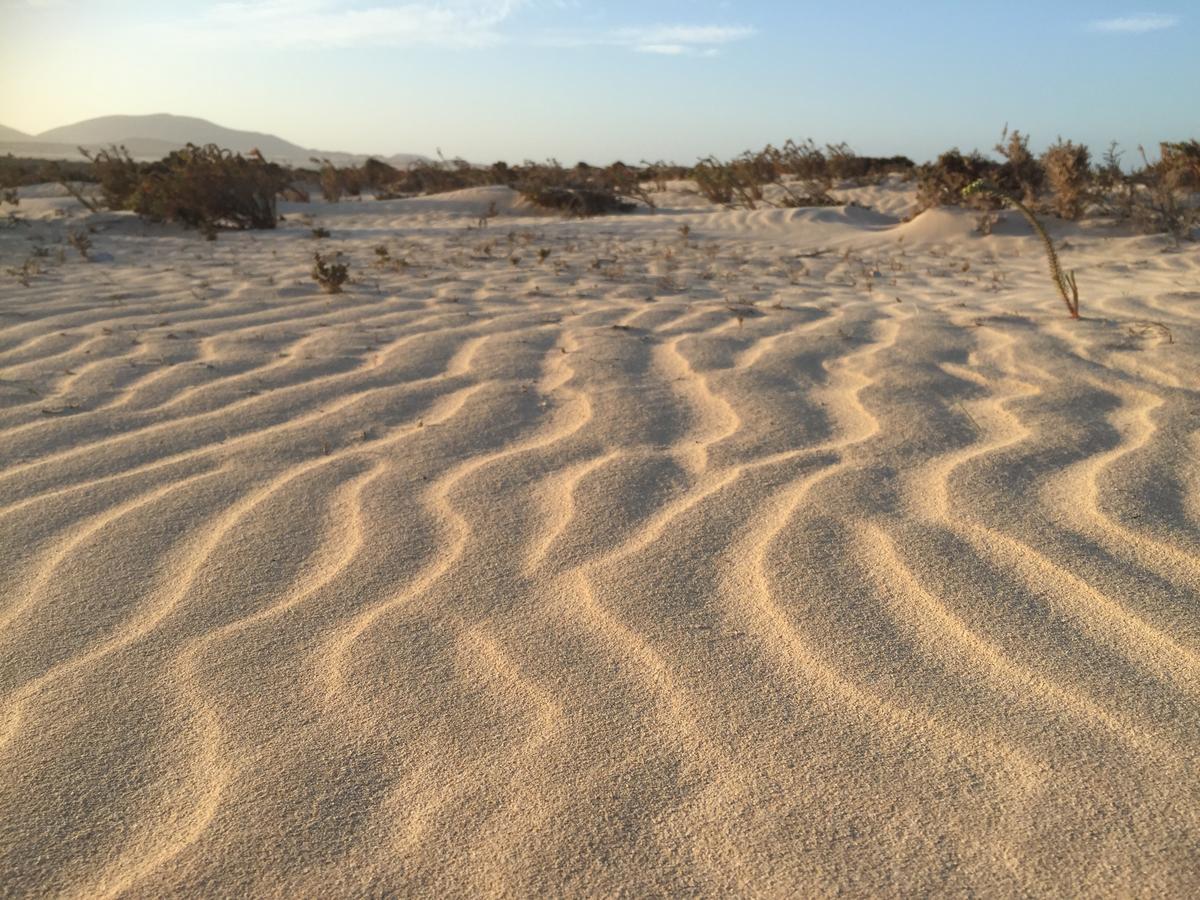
<point>607,79</point>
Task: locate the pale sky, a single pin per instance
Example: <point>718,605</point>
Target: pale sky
<point>607,79</point>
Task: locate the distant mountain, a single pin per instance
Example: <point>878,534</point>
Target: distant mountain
<point>171,130</point>
<point>11,135</point>
<point>154,136</point>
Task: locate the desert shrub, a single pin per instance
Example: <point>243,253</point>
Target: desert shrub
<point>1157,198</point>
<point>581,192</point>
<point>844,164</point>
<point>714,180</point>
<point>807,165</point>
<point>294,194</point>
<point>800,199</point>
<point>1163,200</point>
<point>659,173</point>
<point>376,175</point>
<point>22,171</point>
<point>337,182</point>
<point>331,180</point>
<point>1113,190</point>
<point>201,187</point>
<point>1180,164</point>
<point>742,182</point>
<point>941,183</point>
<point>623,181</point>
<point>739,182</point>
<point>803,161</point>
<point>841,163</point>
<point>330,273</point>
<point>117,173</point>
<point>577,202</point>
<point>1021,173</point>
<point>1068,172</point>
<point>442,175</point>
<point>1108,172</point>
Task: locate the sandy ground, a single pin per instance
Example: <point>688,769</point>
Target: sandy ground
<point>806,552</point>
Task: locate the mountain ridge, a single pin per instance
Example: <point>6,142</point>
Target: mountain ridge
<point>154,136</point>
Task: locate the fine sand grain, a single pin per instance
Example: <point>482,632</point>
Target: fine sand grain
<point>797,552</point>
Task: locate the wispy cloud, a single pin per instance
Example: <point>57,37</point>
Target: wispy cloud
<point>1139,24</point>
<point>453,23</point>
<point>664,40</point>
<point>677,40</point>
<point>439,23</point>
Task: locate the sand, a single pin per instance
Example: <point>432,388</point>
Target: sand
<point>810,552</point>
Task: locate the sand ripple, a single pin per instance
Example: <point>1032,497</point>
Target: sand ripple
<point>784,558</point>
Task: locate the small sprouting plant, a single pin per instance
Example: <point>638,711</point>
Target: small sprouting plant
<point>330,273</point>
<point>320,233</point>
<point>1063,281</point>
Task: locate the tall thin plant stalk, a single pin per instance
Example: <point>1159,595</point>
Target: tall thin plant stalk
<point>1064,281</point>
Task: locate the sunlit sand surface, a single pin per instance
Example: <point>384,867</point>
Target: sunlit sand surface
<point>795,552</point>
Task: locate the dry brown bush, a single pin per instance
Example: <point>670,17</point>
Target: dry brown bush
<point>1021,173</point>
<point>582,192</point>
<point>941,183</point>
<point>330,273</point>
<point>202,187</point>
<point>1165,199</point>
<point>1069,174</point>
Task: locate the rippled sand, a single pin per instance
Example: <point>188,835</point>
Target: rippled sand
<point>806,552</point>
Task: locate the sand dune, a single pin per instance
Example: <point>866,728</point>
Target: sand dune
<point>808,552</point>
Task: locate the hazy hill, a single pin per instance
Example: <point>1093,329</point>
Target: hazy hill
<point>154,136</point>
<point>10,135</point>
<point>174,130</point>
